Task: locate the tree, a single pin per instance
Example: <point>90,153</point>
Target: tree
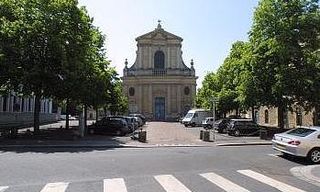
<point>49,48</point>
<point>284,37</point>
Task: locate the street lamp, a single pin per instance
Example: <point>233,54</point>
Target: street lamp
<point>214,101</point>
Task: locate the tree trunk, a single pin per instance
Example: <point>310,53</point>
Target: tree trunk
<point>36,114</point>
<point>67,114</point>
<point>105,111</point>
<point>316,116</point>
<point>85,118</point>
<point>253,114</point>
<point>237,112</point>
<point>281,116</point>
<point>97,115</point>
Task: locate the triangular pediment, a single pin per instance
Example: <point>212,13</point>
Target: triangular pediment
<point>159,34</point>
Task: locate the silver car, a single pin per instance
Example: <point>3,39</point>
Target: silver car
<point>302,141</point>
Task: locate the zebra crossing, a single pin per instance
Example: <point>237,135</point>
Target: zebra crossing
<point>169,183</point>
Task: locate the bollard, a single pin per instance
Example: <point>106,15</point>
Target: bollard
<point>206,136</point>
<point>142,136</point>
<point>201,134</point>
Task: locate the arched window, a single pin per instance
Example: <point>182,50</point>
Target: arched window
<point>266,116</point>
<point>159,60</point>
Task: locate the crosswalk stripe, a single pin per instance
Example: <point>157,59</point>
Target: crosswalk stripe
<point>171,184</point>
<point>55,187</point>
<point>3,188</point>
<point>223,183</point>
<point>114,185</point>
<point>269,181</point>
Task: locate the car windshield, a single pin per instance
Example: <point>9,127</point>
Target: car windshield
<point>189,115</point>
<point>301,132</point>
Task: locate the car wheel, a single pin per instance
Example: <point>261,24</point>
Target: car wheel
<point>220,131</point>
<point>91,131</point>
<point>237,133</point>
<point>314,155</point>
<point>193,124</point>
<point>185,125</point>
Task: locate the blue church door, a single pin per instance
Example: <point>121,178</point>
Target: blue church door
<point>159,109</point>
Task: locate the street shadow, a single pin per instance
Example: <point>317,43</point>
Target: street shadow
<point>295,159</point>
<point>57,140</point>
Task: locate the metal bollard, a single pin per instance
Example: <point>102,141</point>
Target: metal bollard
<point>201,134</point>
<point>142,136</point>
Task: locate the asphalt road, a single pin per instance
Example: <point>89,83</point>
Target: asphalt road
<point>187,169</point>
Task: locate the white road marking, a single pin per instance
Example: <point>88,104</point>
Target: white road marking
<point>275,155</point>
<point>114,185</point>
<point>55,187</point>
<point>269,181</point>
<point>3,188</point>
<point>171,184</point>
<point>223,183</point>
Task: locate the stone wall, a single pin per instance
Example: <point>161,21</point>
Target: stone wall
<point>9,120</point>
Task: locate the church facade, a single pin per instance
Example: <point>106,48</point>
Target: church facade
<point>159,85</point>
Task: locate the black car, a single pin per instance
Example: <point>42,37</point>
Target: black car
<point>110,125</point>
<point>221,125</point>
<point>245,127</point>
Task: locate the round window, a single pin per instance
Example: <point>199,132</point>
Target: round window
<point>186,91</point>
<point>131,91</point>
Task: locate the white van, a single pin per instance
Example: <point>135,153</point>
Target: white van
<point>195,117</point>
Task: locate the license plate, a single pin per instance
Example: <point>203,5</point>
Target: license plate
<point>281,146</point>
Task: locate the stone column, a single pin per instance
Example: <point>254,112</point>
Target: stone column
<point>150,99</point>
<point>139,99</point>
<point>179,99</point>
<point>11,103</point>
<point>178,57</point>
<point>168,111</point>
<point>150,57</point>
<point>139,54</point>
<point>21,107</point>
<point>50,106</point>
<point>168,57</point>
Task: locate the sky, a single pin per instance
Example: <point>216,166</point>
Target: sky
<point>208,27</point>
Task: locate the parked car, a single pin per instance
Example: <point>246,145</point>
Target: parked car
<point>131,121</point>
<point>142,117</point>
<point>221,125</point>
<point>239,127</point>
<point>208,123</point>
<point>302,141</point>
<point>139,121</point>
<point>110,125</point>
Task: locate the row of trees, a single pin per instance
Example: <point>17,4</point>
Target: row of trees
<point>50,48</point>
<point>279,66</point>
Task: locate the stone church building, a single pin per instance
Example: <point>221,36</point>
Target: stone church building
<point>159,84</point>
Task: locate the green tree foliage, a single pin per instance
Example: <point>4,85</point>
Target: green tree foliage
<point>229,83</point>
<point>50,48</point>
<point>284,37</point>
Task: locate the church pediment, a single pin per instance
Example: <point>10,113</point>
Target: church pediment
<point>159,34</point>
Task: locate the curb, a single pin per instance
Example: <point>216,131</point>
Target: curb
<point>7,147</point>
<point>305,173</point>
<point>245,144</point>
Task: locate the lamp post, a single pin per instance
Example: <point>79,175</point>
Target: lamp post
<point>214,102</point>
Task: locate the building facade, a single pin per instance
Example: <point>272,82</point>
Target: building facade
<point>159,84</point>
<point>17,111</point>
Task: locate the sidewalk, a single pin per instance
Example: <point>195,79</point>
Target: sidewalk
<point>309,173</point>
<point>159,134</point>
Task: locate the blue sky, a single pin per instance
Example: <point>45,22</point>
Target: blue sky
<point>208,27</point>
